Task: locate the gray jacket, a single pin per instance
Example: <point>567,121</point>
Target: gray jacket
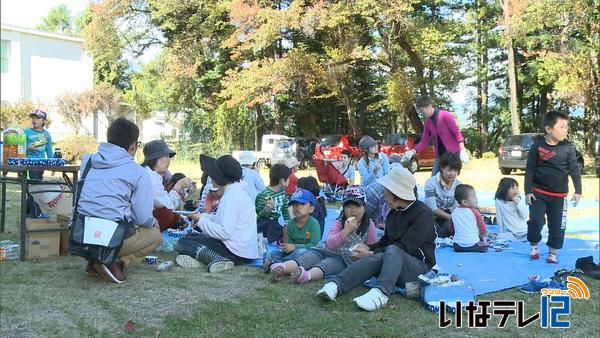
<point>116,187</point>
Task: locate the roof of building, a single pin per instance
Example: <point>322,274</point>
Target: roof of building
<point>40,33</point>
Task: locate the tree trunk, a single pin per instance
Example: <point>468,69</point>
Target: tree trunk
<point>260,127</point>
<point>351,111</point>
<point>256,136</point>
<point>592,95</point>
<point>416,62</point>
<point>512,71</point>
<point>512,84</point>
<point>479,72</point>
<point>485,114</point>
<point>312,123</point>
<point>545,100</point>
<point>413,117</point>
<point>278,128</point>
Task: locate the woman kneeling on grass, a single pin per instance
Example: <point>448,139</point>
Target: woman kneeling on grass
<point>229,236</point>
<point>352,228</point>
<point>406,250</point>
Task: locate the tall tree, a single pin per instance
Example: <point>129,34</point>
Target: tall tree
<point>560,42</point>
<point>58,20</point>
<point>482,40</point>
<point>509,9</point>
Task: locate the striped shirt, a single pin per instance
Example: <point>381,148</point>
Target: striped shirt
<point>281,205</point>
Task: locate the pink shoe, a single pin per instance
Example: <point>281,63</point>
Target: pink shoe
<point>300,276</point>
<point>535,252</point>
<point>552,258</point>
<point>277,272</point>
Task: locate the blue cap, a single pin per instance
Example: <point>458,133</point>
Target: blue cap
<point>302,196</point>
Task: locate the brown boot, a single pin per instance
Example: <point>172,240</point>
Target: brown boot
<point>112,273</point>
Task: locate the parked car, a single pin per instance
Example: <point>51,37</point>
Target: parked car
<point>282,151</point>
<point>266,150</point>
<point>330,147</point>
<point>302,148</point>
<point>514,152</point>
<point>398,143</point>
<point>597,155</point>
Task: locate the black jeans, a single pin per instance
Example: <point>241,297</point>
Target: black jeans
<point>189,244</point>
<point>394,267</point>
<point>442,227</point>
<point>556,210</point>
<point>270,228</point>
<point>473,248</point>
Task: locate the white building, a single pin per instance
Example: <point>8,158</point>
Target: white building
<point>38,66</point>
<point>161,126</point>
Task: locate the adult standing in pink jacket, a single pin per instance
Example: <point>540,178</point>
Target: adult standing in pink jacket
<point>442,127</point>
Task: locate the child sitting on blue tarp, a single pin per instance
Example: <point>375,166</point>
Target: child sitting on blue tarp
<point>511,212</point>
<point>302,232</point>
<point>466,222</point>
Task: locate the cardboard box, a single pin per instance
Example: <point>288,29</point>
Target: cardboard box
<point>41,223</point>
<point>43,243</point>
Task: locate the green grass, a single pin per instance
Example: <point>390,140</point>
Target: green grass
<point>53,297</point>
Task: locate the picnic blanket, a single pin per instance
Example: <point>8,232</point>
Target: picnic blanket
<point>496,271</point>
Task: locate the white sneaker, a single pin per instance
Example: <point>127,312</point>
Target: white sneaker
<point>220,266</point>
<point>187,262</point>
<point>372,300</point>
<point>328,292</point>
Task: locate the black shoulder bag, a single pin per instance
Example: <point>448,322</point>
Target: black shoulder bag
<point>105,254</point>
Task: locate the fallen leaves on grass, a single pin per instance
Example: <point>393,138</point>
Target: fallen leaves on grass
<point>129,327</point>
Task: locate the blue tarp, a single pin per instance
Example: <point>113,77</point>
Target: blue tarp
<point>495,271</point>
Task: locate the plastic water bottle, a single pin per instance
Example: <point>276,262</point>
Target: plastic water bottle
<point>164,266</point>
<point>9,250</point>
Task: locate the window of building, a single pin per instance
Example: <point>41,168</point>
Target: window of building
<point>4,55</point>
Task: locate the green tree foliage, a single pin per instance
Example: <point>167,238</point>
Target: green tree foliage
<point>242,68</point>
<point>560,41</point>
<point>16,114</point>
<point>58,20</point>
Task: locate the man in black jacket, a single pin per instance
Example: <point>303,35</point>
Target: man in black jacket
<point>406,250</point>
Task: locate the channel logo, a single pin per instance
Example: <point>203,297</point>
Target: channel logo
<point>577,289</point>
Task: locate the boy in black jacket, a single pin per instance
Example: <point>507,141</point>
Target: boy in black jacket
<point>551,159</point>
<point>406,250</point>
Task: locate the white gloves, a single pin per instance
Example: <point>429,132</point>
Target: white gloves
<point>409,154</point>
<point>464,156</point>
